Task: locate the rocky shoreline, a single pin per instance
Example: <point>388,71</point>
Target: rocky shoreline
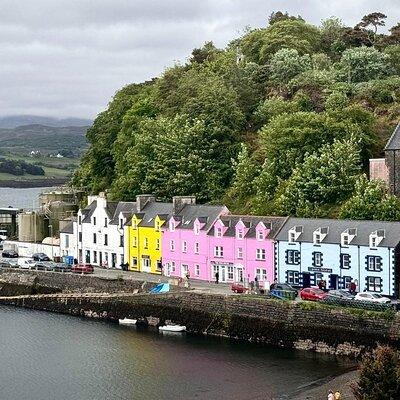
<point>33,183</point>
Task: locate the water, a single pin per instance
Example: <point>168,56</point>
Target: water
<point>21,198</point>
<point>52,356</point>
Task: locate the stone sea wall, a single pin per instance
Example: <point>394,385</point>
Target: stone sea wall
<point>292,325</point>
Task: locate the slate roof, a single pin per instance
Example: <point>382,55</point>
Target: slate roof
<point>205,213</point>
<point>127,208</point>
<point>111,206</point>
<point>250,221</point>
<point>68,228</point>
<point>338,226</point>
<point>88,211</point>
<point>394,141</point>
<point>152,209</point>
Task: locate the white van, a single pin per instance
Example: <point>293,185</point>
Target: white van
<point>26,263</point>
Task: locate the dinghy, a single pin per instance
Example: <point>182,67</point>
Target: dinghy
<point>172,328</point>
<point>127,321</point>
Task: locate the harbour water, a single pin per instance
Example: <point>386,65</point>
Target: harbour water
<point>20,198</point>
<point>52,356</point>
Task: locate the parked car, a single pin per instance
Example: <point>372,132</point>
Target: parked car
<point>373,297</point>
<point>8,263</point>
<point>62,267</point>
<point>313,294</point>
<point>341,294</point>
<point>9,254</point>
<point>283,286</point>
<point>26,263</point>
<point>82,269</point>
<point>40,257</point>
<point>238,288</point>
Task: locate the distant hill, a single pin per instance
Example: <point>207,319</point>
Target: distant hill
<point>13,121</point>
<point>46,139</point>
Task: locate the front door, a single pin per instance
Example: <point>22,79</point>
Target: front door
<point>333,281</point>
<point>239,274</point>
<point>113,260</point>
<point>100,258</point>
<point>184,270</point>
<point>306,280</point>
<point>222,273</point>
<point>146,264</point>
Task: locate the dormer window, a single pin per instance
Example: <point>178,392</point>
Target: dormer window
<point>347,236</point>
<point>196,229</point>
<point>317,238</point>
<point>292,236</point>
<point>218,232</point>
<point>157,224</point>
<point>134,224</point>
<point>294,233</point>
<point>345,240</point>
<point>375,238</point>
<point>260,235</point>
<point>319,235</point>
<point>172,226</point>
<point>239,233</point>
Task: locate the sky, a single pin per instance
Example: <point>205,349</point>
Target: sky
<point>67,58</point>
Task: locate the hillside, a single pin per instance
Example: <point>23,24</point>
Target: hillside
<point>282,121</point>
<point>13,121</point>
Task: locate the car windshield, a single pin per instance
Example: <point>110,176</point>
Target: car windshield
<point>377,296</point>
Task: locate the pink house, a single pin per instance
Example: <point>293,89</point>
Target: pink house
<point>242,248</point>
<point>185,241</point>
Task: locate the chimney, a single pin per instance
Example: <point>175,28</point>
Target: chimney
<point>142,200</point>
<point>178,202</point>
<point>102,200</point>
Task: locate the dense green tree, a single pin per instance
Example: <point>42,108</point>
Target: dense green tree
<point>363,64</point>
<point>374,19</point>
<point>325,178</point>
<point>285,64</point>
<point>371,201</point>
<point>332,30</point>
<point>278,16</point>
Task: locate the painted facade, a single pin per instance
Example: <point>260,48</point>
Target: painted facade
<point>339,251</point>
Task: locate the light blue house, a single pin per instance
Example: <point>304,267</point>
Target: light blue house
<point>339,251</point>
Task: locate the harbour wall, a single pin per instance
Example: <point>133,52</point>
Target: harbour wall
<point>305,326</point>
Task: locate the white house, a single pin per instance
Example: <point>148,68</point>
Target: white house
<point>97,234</point>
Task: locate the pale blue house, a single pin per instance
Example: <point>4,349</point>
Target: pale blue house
<point>339,251</point>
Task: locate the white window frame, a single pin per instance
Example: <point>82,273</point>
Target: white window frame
<point>197,248</point>
<point>292,237</point>
<point>345,240</point>
<point>240,253</point>
<point>317,262</point>
<point>184,246</point>
<point>260,235</point>
<point>196,229</point>
<point>260,254</point>
<point>261,274</point>
<point>218,251</point>
<point>293,277</point>
<point>197,269</point>
<point>172,245</point>
<point>218,231</point>
<point>239,234</point>
<point>230,273</point>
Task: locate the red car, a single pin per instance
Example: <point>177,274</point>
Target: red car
<point>82,269</point>
<point>313,294</point>
<point>238,288</point>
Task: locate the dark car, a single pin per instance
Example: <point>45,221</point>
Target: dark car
<point>40,257</point>
<point>340,294</point>
<point>45,266</point>
<point>9,254</point>
<point>62,267</point>
<point>82,269</point>
<point>283,286</point>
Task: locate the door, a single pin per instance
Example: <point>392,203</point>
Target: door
<point>184,270</point>
<point>333,281</point>
<point>113,260</point>
<point>306,280</point>
<point>146,264</point>
<point>100,258</point>
<point>222,273</point>
<point>239,274</point>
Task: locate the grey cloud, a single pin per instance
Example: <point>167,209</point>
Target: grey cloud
<point>68,58</point>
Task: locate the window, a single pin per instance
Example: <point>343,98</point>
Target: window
<point>66,241</point>
<point>197,270</point>
<point>172,266</point>
<point>218,251</point>
<point>261,274</point>
<point>134,224</point>
<point>196,248</point>
<point>292,236</point>
<point>87,258</point>
<point>80,220</point>
<point>374,284</point>
<point>121,241</point>
<point>134,262</point>
<point>145,262</point>
<point>146,243</point>
<point>346,280</point>
<point>172,245</point>
<point>134,241</point>
<point>317,238</point>
<point>218,232</point>
<point>345,261</point>
<point>240,252</point>
<point>94,238</point>
<point>172,226</point>
<point>374,263</point>
<point>80,237</point>
<point>105,222</point>
<point>345,240</point>
<point>105,240</point>
<point>95,257</point>
<point>260,254</point>
<point>121,223</point>
<point>317,259</point>
<point>239,234</point>
<point>292,257</point>
<point>260,235</point>
<point>157,244</point>
<point>230,272</point>
<point>196,229</point>
<point>373,242</point>
<point>184,246</point>
<point>293,277</point>
<point>158,225</point>
<point>94,220</point>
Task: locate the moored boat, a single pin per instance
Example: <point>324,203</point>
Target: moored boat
<point>127,321</point>
<point>172,328</point>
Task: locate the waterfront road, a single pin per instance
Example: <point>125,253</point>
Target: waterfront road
<point>201,286</point>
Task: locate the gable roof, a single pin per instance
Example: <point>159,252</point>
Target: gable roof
<point>124,207</point>
<point>68,228</point>
<point>251,222</point>
<point>152,209</point>
<point>206,214</point>
<point>88,211</point>
<point>394,141</point>
<point>338,226</point>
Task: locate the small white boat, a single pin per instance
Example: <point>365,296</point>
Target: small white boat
<point>127,321</point>
<point>172,328</point>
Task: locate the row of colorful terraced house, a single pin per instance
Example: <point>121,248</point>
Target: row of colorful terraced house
<point>182,236</point>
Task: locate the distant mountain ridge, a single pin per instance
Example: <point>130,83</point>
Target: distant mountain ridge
<point>13,121</point>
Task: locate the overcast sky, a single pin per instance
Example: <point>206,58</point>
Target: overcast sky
<point>68,57</point>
